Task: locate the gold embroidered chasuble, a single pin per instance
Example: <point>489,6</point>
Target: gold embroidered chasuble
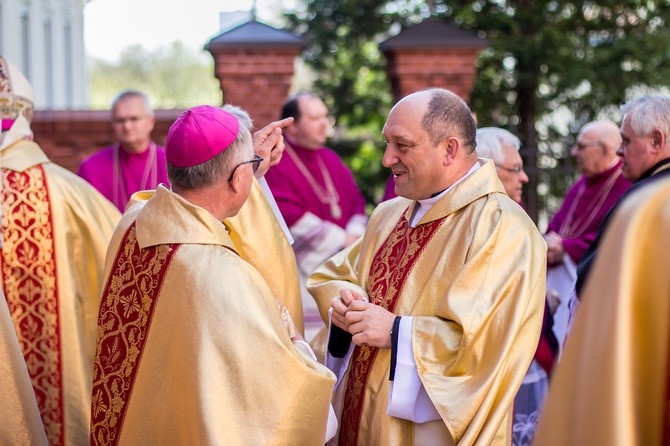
<point>476,292</point>
<point>21,422</point>
<point>259,240</point>
<point>55,230</point>
<point>208,359</point>
<point>612,385</point>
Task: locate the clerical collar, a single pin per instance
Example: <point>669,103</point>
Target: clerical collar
<point>423,206</point>
<point>126,153</point>
<point>657,168</point>
<point>299,147</point>
<point>614,165</point>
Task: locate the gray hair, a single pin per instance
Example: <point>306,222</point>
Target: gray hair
<point>127,94</point>
<point>221,166</point>
<point>647,113</point>
<point>241,114</point>
<point>448,114</point>
<point>491,140</point>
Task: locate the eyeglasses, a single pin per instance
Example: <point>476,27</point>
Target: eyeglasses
<point>583,145</point>
<point>255,164</point>
<point>131,119</point>
<point>516,169</point>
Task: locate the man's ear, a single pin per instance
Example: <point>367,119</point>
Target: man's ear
<point>658,140</point>
<point>236,181</point>
<point>450,146</point>
<point>290,129</point>
<point>152,119</point>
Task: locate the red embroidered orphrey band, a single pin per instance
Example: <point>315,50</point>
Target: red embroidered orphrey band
<point>390,267</point>
<point>29,278</point>
<point>126,310</point>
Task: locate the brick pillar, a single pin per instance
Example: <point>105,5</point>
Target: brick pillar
<point>432,54</point>
<point>414,69</point>
<point>257,80</point>
<point>254,64</point>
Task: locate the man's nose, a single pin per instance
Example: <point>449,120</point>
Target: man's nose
<point>389,159</point>
<point>523,177</point>
<point>573,150</point>
<point>619,151</point>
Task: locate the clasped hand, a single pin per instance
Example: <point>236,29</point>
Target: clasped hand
<point>554,247</point>
<point>368,323</point>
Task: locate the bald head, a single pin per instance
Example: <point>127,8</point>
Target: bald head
<point>596,146</point>
<point>430,138</point>
<point>444,114</point>
<point>606,132</point>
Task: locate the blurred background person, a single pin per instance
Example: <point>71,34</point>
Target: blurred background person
<point>503,148</point>
<point>575,225</point>
<point>134,162</point>
<point>645,153</point>
<point>316,193</point>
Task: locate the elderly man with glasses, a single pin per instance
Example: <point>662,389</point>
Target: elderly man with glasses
<point>503,148</point>
<point>135,162</point>
<point>574,226</point>
<point>193,347</point>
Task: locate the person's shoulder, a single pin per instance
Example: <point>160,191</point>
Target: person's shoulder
<point>103,154</point>
<point>73,188</point>
<point>330,155</point>
<point>102,157</point>
<point>507,207</point>
<point>221,261</point>
<point>391,208</point>
<point>577,184</point>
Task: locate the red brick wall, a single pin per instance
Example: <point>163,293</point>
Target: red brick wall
<point>69,136</point>
<point>414,69</point>
<point>256,79</point>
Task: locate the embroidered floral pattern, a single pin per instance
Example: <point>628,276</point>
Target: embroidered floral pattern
<point>126,311</point>
<point>29,277</point>
<point>391,265</point>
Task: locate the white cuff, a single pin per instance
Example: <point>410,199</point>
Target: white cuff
<point>408,398</point>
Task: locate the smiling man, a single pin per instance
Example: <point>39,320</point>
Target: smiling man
<point>437,309</point>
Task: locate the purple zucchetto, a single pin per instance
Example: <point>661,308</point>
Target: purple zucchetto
<point>199,134</point>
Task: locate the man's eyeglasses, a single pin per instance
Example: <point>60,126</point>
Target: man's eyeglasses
<point>583,145</point>
<point>130,119</point>
<point>516,169</point>
<point>255,164</point>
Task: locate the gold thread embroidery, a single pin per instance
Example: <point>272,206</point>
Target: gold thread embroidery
<point>29,277</point>
<point>126,310</point>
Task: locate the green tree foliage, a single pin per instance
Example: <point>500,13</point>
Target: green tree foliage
<point>551,65</point>
<point>173,76</point>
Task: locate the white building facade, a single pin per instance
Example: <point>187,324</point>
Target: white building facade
<point>45,40</point>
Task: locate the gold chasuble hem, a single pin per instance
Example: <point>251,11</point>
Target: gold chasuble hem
<point>126,311</point>
<point>29,277</point>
